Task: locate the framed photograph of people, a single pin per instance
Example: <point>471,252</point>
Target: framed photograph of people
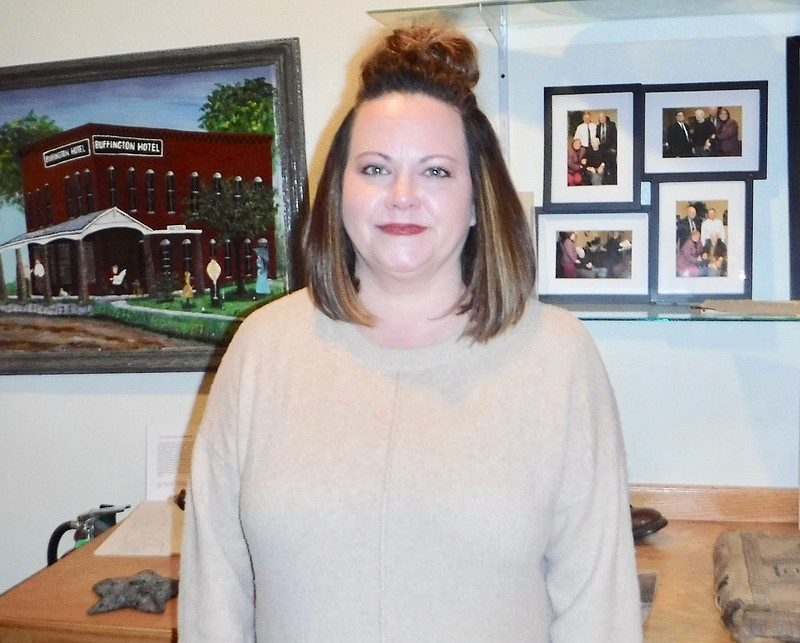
<point>593,256</point>
<point>702,246</point>
<point>793,147</point>
<point>592,148</point>
<point>706,129</point>
<point>147,204</point>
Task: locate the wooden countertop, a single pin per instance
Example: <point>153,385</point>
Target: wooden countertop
<point>681,553</point>
<point>683,608</point>
<point>50,606</point>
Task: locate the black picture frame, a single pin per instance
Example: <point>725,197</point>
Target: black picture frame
<point>793,152</point>
<point>671,279</point>
<point>288,165</point>
<point>740,154</point>
<point>620,189</point>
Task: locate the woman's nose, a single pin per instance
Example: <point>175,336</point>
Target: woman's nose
<point>403,192</point>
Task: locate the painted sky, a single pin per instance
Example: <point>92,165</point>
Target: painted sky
<point>170,101</point>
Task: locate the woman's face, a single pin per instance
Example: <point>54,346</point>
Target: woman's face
<point>407,197</point>
<point>724,115</point>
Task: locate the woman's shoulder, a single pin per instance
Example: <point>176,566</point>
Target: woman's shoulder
<point>551,323</point>
<point>547,338</point>
<point>280,317</point>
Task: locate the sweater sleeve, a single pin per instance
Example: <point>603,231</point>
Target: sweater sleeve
<point>216,580</point>
<point>591,567</point>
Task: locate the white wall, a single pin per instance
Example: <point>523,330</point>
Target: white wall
<point>701,403</point>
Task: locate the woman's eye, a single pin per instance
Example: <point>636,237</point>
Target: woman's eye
<point>373,170</point>
<point>437,171</point>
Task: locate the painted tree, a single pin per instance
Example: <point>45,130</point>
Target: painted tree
<point>14,135</point>
<point>236,211</point>
<point>246,107</point>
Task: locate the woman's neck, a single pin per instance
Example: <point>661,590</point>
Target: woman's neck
<point>408,316</point>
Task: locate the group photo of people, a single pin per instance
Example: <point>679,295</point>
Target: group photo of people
<point>702,131</point>
<point>592,147</point>
<point>701,239</point>
<point>587,254</point>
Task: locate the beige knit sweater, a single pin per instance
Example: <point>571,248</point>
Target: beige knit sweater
<point>463,493</point>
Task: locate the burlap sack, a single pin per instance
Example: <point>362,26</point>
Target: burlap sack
<point>757,585</point>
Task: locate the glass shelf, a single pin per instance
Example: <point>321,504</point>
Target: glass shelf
<point>543,12</point>
<point>761,312</point>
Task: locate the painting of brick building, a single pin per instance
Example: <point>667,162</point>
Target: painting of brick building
<point>99,196</point>
<point>159,191</point>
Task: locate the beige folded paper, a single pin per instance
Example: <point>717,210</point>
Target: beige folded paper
<point>750,308</point>
<point>154,528</point>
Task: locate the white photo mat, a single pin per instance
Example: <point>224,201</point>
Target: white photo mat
<point>633,225</point>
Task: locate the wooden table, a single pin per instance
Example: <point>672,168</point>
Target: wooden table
<point>50,606</point>
<point>683,608</point>
<point>681,553</point>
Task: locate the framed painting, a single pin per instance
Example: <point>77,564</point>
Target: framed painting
<point>592,148</point>
<point>593,257</point>
<point>702,248</point>
<point>793,149</point>
<point>148,202</point>
<point>706,129</point>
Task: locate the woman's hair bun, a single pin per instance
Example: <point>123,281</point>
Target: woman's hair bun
<point>422,58</point>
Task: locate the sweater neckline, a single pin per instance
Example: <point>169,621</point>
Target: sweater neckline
<point>351,339</point>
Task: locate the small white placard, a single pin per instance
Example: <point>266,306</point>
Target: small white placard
<point>169,457</point>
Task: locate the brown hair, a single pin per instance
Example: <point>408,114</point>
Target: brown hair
<point>497,262</point>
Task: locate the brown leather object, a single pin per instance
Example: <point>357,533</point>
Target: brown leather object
<point>646,521</point>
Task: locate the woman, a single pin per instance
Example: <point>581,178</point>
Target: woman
<point>689,261</point>
<point>576,162</point>
<point>412,449</point>
<point>570,259</point>
<point>728,143</point>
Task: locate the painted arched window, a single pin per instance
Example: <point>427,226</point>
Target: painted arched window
<point>88,189</point>
<point>194,189</point>
<point>68,197</point>
<point>228,259</point>
<point>166,255</point>
<point>248,257</point>
<point>187,255</point>
<point>171,192</point>
<point>150,188</point>
<point>112,186</point>
<point>132,205</point>
<point>78,190</point>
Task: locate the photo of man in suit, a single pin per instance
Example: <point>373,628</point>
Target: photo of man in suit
<point>606,132</point>
<point>678,143</point>
<point>586,130</point>
<point>685,225</point>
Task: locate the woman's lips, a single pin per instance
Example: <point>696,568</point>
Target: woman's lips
<point>401,229</point>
